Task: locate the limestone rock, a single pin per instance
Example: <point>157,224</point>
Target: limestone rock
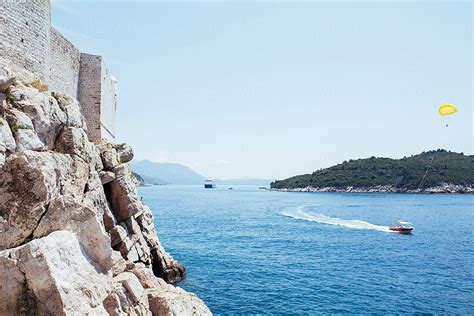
<point>66,214</point>
<point>75,237</point>
<point>168,300</point>
<point>163,264</point>
<point>124,152</point>
<point>6,136</point>
<point>28,182</point>
<point>124,197</point>
<point>5,83</point>
<point>175,301</point>
<point>112,305</point>
<point>106,176</point>
<point>131,283</point>
<point>26,186</point>
<point>72,110</point>
<point>43,110</point>
<point>117,235</point>
<point>127,250</point>
<point>74,141</point>
<point>120,264</point>
<point>23,131</point>
<point>54,276</point>
<point>165,299</point>
<point>109,157</point>
<point>128,297</point>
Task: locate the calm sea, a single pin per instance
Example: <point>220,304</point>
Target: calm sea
<point>254,251</point>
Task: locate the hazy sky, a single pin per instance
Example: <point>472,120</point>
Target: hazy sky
<point>273,89</point>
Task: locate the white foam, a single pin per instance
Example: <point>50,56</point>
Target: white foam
<point>324,219</point>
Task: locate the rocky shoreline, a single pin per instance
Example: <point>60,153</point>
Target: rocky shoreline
<point>441,189</point>
<point>75,236</point>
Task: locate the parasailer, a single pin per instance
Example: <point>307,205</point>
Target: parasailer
<point>447,109</point>
<point>406,227</point>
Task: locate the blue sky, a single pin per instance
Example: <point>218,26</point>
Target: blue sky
<point>273,89</point>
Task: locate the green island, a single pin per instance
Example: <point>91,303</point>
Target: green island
<point>446,172</point>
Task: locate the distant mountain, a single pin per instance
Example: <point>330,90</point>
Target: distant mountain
<point>166,173</point>
<point>243,181</point>
<point>406,173</point>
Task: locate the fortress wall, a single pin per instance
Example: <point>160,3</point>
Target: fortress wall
<point>31,49</point>
<point>25,37</point>
<point>90,93</point>
<point>108,103</point>
<point>64,65</point>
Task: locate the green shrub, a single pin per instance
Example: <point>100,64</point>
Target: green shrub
<point>19,126</point>
<point>9,96</point>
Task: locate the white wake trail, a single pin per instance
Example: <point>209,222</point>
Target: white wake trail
<point>324,219</point>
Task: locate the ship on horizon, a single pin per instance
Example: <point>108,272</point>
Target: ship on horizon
<point>209,184</point>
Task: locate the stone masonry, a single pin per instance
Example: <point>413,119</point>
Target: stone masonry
<point>30,48</point>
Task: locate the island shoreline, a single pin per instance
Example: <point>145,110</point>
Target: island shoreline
<point>442,189</point>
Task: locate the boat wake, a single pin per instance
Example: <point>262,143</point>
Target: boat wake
<point>299,213</point>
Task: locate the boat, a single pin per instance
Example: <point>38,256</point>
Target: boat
<point>209,184</point>
<point>402,227</point>
<point>231,188</point>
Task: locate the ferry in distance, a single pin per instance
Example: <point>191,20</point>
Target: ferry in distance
<point>209,184</point>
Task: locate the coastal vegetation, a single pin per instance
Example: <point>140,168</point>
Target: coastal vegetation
<point>405,173</point>
<point>37,84</point>
<point>9,97</point>
<point>20,126</point>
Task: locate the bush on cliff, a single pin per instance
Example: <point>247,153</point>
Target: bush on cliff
<point>37,84</point>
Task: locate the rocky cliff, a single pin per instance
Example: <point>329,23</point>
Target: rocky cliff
<point>75,236</point>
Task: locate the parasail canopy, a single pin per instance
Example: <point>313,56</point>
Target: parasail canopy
<point>447,109</point>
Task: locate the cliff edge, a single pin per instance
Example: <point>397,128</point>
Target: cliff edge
<point>75,237</point>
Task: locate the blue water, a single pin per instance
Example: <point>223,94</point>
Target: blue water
<point>255,251</point>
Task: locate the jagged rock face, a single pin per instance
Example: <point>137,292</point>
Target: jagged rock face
<point>140,242</point>
<point>75,237</point>
<point>29,181</point>
<point>7,142</point>
<point>23,131</point>
<point>53,276</point>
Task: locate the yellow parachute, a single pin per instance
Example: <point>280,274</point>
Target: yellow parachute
<point>447,109</point>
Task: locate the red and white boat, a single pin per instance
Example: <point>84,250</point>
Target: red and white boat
<point>402,227</point>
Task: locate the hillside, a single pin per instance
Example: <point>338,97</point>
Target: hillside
<point>404,174</point>
<point>166,173</point>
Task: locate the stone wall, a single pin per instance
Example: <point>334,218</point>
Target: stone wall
<point>108,103</point>
<point>64,65</point>
<point>98,97</point>
<point>25,37</point>
<point>90,93</point>
<point>31,49</point>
